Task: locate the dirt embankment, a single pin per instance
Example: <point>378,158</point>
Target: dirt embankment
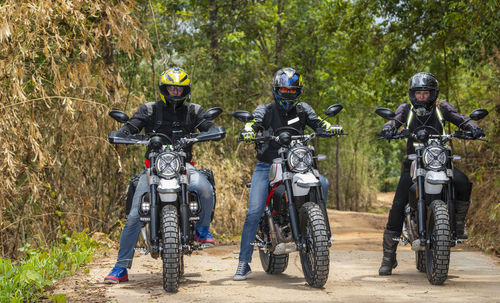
<point>355,258</point>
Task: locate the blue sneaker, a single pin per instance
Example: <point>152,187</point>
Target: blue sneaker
<point>117,275</point>
<point>242,271</point>
<point>203,236</point>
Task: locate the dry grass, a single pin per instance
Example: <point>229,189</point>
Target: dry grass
<point>58,80</point>
<point>231,175</point>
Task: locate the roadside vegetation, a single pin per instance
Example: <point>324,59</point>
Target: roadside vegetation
<point>26,279</point>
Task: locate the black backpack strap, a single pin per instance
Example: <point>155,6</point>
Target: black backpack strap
<point>158,115</point>
<point>191,116</point>
<point>301,113</point>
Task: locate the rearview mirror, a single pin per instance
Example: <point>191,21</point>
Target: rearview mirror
<point>119,116</point>
<point>332,110</point>
<point>478,114</point>
<point>385,113</point>
<point>243,116</point>
<point>212,113</point>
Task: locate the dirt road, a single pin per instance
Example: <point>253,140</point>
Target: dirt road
<point>355,258</point>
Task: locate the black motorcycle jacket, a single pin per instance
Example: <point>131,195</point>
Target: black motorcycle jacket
<point>270,117</point>
<point>156,116</point>
<point>405,115</point>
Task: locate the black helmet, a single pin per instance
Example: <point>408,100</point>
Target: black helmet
<point>176,77</point>
<point>423,81</point>
<point>287,87</point>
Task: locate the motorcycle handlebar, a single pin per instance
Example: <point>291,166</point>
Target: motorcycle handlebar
<point>296,137</point>
<point>405,133</point>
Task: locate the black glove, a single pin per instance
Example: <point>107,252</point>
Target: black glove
<point>388,132</point>
<point>122,133</point>
<point>477,133</point>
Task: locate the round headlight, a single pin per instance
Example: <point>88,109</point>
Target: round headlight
<point>434,157</point>
<point>167,164</point>
<point>300,159</point>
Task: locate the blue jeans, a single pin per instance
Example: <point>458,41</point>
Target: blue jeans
<point>256,203</point>
<point>130,233</point>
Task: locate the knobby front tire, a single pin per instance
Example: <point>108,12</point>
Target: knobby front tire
<point>315,257</point>
<point>172,271</point>
<point>438,254</point>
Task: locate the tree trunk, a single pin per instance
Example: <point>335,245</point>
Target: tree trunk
<point>279,33</point>
<point>213,34</point>
<point>337,168</point>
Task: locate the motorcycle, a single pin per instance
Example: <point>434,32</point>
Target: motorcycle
<point>295,217</point>
<point>429,224</point>
<point>169,211</point>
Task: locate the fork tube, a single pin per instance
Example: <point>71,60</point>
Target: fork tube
<point>293,215</point>
<point>155,222</point>
<point>422,214</point>
<point>184,214</point>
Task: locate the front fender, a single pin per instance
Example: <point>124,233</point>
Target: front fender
<point>302,183</point>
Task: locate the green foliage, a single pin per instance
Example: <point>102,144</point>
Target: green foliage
<point>25,280</point>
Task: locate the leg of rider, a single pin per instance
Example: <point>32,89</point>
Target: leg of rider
<point>395,221</point>
<point>463,189</point>
<point>129,235</point>
<point>324,187</point>
<point>199,184</point>
<point>256,203</point>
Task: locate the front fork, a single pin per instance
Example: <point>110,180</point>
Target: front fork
<point>293,214</point>
<point>421,207</point>
<point>184,215</point>
<point>155,222</point>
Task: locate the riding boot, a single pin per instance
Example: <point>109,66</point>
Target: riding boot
<point>461,208</point>
<point>389,259</point>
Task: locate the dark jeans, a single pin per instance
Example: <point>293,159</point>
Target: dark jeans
<point>462,184</point>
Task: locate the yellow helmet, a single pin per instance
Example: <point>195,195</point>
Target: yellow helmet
<point>174,78</point>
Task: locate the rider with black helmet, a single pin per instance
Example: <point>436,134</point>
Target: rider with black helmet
<point>286,110</point>
<point>423,111</point>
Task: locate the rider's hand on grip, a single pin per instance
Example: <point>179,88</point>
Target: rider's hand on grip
<point>247,133</point>
<point>387,132</point>
<point>477,133</point>
<point>336,130</point>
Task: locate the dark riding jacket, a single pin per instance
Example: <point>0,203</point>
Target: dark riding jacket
<point>158,117</point>
<point>443,111</point>
<point>270,117</point>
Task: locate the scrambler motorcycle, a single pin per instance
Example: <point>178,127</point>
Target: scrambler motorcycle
<point>295,217</point>
<point>169,211</point>
<point>429,224</point>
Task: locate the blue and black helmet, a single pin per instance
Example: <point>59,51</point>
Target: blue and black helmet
<point>287,87</point>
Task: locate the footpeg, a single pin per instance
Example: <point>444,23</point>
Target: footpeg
<point>142,250</point>
<point>258,244</point>
<point>402,241</point>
